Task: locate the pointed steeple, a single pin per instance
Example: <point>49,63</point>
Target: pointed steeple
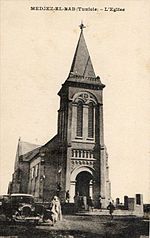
<point>82,69</point>
<point>82,65</point>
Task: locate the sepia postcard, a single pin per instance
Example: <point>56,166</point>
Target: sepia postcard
<point>74,118</point>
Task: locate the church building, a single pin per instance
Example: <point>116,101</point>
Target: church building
<point>75,159</point>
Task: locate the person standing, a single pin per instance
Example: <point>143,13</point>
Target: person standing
<point>90,204</point>
<point>100,202</point>
<point>77,202</point>
<point>67,196</point>
<point>58,189</point>
<point>111,209</point>
<point>56,210</point>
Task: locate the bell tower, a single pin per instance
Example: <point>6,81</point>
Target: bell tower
<point>83,156</point>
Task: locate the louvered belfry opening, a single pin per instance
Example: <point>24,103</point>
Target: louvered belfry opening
<point>91,120</point>
<point>79,119</point>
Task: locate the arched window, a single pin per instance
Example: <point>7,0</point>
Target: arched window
<point>91,120</point>
<point>79,119</point>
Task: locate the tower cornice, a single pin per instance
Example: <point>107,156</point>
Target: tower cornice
<point>83,85</point>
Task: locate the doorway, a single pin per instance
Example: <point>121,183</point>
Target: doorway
<point>83,184</point>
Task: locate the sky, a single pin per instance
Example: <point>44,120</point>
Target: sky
<point>37,49</point>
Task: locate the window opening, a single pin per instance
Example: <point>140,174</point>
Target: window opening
<point>91,120</point>
<point>79,119</point>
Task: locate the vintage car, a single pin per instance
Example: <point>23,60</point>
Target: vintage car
<point>20,208</point>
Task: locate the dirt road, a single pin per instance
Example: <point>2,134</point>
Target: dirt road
<point>82,227</point>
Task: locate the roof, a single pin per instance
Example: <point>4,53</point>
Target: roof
<point>82,69</point>
<point>25,147</point>
<point>25,151</point>
<point>30,155</point>
<point>49,145</point>
<point>82,64</point>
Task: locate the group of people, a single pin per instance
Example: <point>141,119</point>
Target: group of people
<point>89,205</point>
<point>83,203</point>
<point>54,213</point>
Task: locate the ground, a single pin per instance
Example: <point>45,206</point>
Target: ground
<point>82,227</point>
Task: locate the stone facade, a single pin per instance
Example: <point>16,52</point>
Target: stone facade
<point>76,158</point>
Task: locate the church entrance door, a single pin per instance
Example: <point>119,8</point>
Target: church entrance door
<point>83,184</point>
<point>84,188</point>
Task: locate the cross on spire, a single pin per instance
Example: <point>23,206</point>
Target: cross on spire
<point>82,26</point>
<point>82,65</point>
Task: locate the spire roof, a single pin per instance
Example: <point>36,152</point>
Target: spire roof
<point>82,69</point>
<point>25,147</point>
